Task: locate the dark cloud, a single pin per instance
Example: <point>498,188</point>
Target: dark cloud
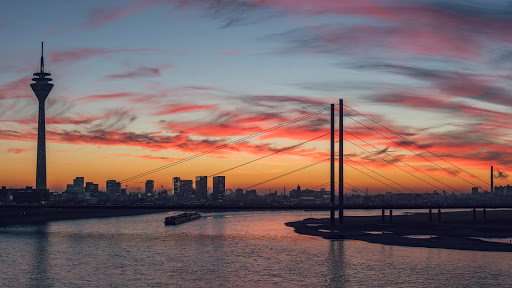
<point>451,84</point>
<point>115,120</point>
<point>234,12</point>
<point>500,175</point>
<point>141,72</point>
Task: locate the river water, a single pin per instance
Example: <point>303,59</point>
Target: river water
<point>227,249</point>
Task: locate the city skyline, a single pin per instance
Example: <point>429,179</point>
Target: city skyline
<point>124,107</point>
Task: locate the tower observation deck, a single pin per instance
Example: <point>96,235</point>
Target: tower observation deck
<point>41,88</point>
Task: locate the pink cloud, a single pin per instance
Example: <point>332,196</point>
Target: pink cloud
<point>99,97</point>
<point>86,53</point>
<point>17,150</point>
<point>16,89</point>
<point>197,87</point>
<point>104,15</point>
<point>174,109</point>
<point>117,115</point>
<point>229,52</point>
<point>150,157</point>
<point>156,142</point>
<point>228,123</point>
<point>445,29</point>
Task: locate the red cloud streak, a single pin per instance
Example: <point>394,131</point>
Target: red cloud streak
<point>174,109</point>
<point>17,150</point>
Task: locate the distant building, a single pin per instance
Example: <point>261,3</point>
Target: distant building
<point>113,187</point>
<point>186,186</point>
<point>5,196</point>
<point>26,195</point>
<point>185,191</point>
<point>219,188</point>
<point>91,188</point>
<point>176,185</point>
<point>79,185</point>
<point>499,190</point>
<point>75,191</point>
<point>150,186</point>
<point>250,196</point>
<point>474,190</point>
<point>307,196</point>
<point>91,191</point>
<point>202,187</point>
<point>239,194</point>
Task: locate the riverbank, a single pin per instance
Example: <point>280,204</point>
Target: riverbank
<point>39,216</point>
<point>457,230</point>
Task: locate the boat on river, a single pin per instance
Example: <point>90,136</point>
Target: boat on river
<point>182,218</point>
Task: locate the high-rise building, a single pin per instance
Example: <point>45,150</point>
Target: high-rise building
<point>79,185</point>
<point>186,191</point>
<point>41,88</point>
<point>186,186</point>
<point>176,185</point>
<point>91,188</point>
<point>113,187</point>
<point>219,188</point>
<point>150,186</point>
<point>202,187</point>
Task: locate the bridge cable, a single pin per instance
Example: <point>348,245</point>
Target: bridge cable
<point>322,185</point>
<point>378,174</point>
<point>336,182</point>
<point>354,187</point>
<point>399,161</point>
<point>288,173</point>
<point>243,139</point>
<point>412,142</point>
<point>393,163</point>
<point>268,155</point>
<point>409,151</point>
<point>372,177</point>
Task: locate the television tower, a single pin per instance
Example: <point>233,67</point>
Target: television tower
<point>41,88</point>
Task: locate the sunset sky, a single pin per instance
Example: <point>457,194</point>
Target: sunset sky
<point>142,83</point>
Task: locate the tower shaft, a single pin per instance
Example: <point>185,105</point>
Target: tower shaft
<point>41,147</point>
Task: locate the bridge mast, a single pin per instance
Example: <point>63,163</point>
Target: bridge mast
<point>333,221</point>
<point>340,163</point>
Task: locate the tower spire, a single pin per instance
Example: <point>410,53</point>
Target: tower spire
<point>42,56</point>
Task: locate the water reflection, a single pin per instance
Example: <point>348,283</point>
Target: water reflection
<point>337,263</point>
<point>40,269</point>
<point>216,246</point>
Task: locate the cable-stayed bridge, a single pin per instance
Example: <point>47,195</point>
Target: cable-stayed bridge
<point>343,136</point>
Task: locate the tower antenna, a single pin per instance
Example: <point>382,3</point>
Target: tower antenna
<point>42,56</point>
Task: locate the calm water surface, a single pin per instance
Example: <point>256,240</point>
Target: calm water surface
<point>227,249</point>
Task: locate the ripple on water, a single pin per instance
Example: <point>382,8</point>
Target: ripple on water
<point>377,232</point>
<point>421,236</point>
